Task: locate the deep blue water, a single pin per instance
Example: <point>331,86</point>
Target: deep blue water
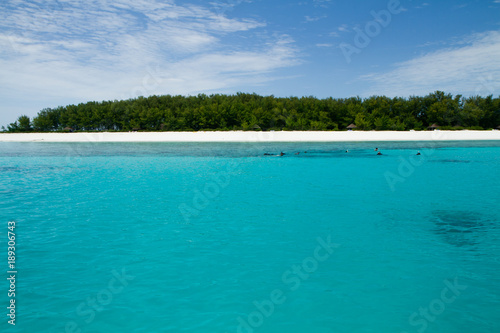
<point>155,237</point>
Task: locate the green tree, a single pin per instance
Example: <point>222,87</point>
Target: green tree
<point>24,123</point>
<point>254,112</point>
<point>47,119</point>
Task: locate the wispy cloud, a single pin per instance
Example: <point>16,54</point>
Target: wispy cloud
<point>321,3</point>
<point>463,69</point>
<point>343,28</point>
<point>313,18</point>
<point>425,4</point>
<point>222,6</point>
<point>460,6</point>
<point>102,49</point>
<point>223,70</point>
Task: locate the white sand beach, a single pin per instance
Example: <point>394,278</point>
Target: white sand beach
<point>240,136</point>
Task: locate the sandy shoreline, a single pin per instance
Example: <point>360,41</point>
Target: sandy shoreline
<point>240,136</point>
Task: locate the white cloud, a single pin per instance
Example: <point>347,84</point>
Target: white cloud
<point>343,28</point>
<point>313,19</point>
<point>227,69</point>
<point>223,6</point>
<point>103,49</point>
<point>425,4</point>
<point>470,67</point>
<point>205,71</point>
<point>106,21</point>
<point>321,3</point>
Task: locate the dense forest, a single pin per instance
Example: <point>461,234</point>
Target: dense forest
<point>253,112</point>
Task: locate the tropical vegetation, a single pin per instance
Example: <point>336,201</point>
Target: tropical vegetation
<point>244,111</point>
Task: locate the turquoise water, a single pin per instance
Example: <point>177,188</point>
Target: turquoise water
<point>180,237</point>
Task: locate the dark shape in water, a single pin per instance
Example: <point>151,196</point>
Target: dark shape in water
<point>460,228</point>
<point>453,161</point>
<point>7,169</point>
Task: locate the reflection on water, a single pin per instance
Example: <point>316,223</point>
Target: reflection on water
<point>461,228</point>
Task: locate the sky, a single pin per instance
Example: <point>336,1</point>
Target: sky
<point>59,52</point>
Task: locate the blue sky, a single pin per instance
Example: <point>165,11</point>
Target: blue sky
<point>59,52</point>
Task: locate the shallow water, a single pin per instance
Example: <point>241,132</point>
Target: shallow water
<point>177,237</point>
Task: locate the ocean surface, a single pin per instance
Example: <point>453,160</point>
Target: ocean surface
<point>192,237</point>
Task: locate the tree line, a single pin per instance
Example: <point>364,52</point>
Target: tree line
<point>254,112</point>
